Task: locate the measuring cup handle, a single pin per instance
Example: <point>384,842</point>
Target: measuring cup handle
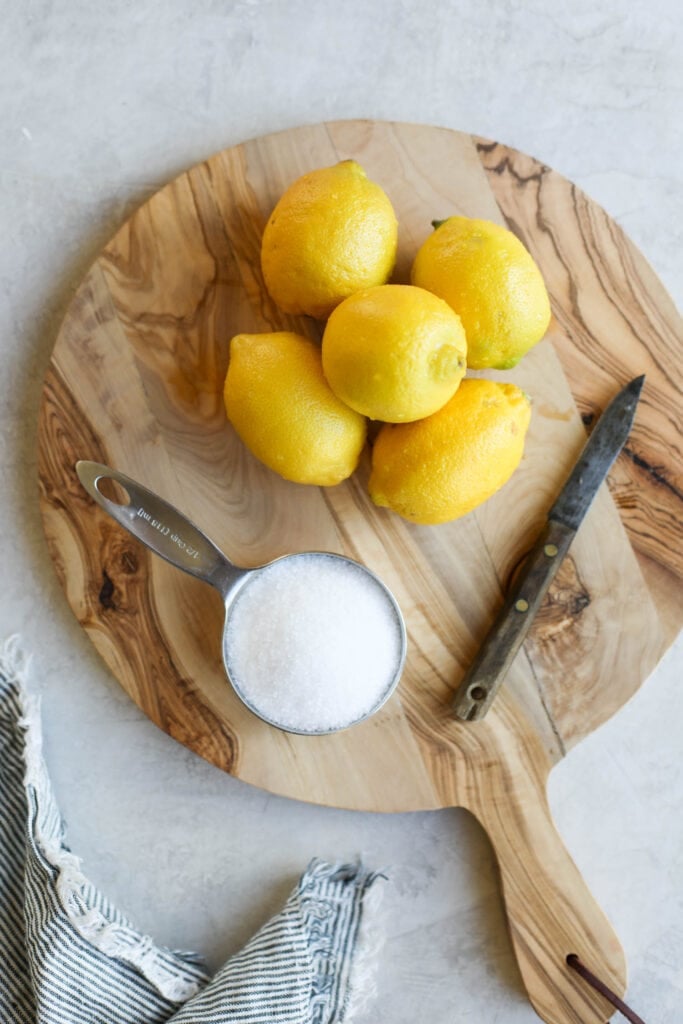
<point>161,527</point>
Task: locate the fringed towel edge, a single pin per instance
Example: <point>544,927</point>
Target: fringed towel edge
<point>176,976</point>
<point>362,991</point>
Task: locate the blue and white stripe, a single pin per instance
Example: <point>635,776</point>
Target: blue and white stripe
<point>67,956</point>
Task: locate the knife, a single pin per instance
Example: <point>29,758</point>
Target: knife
<point>475,693</point>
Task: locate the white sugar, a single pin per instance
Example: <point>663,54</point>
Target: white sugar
<point>313,643</point>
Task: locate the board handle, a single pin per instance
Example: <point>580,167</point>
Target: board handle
<point>550,910</point>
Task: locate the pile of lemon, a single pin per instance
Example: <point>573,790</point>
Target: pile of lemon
<point>392,353</point>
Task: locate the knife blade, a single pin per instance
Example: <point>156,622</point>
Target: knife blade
<point>480,684</point>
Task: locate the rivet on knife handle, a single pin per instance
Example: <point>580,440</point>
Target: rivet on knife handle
<point>482,680</point>
<point>478,688</point>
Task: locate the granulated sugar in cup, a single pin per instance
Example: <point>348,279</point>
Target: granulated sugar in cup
<point>312,643</point>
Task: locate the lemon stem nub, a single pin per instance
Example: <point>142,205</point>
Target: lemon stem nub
<point>437,223</point>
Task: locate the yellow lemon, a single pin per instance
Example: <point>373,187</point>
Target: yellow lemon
<point>491,281</point>
<point>442,467</point>
<point>394,353</point>
<point>332,233</point>
<point>282,408</point>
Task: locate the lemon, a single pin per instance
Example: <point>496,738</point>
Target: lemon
<point>442,467</point>
<point>332,233</point>
<point>282,408</point>
<point>394,353</point>
<point>491,281</point>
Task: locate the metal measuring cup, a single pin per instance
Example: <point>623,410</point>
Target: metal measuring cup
<point>168,533</point>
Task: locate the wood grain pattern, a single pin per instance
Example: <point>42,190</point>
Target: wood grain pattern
<point>135,381</point>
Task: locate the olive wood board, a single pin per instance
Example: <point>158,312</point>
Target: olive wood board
<point>135,381</point>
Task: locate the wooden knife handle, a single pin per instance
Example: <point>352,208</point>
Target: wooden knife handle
<point>550,910</point>
<point>480,684</point>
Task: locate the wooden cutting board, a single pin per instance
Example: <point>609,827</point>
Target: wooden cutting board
<point>135,382</point>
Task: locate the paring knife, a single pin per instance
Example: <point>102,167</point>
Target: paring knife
<point>480,684</point>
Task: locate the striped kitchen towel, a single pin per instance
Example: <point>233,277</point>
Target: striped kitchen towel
<point>67,956</point>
